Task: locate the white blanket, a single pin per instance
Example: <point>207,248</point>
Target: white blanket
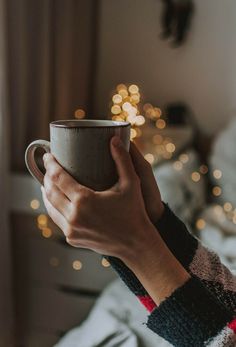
<point>117,320</point>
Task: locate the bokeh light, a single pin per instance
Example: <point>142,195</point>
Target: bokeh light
<point>200,224</point>
<point>196,176</point>
<point>150,158</point>
<point>216,191</point>
<point>77,265</point>
<point>79,114</point>
<point>217,174</point>
<point>35,204</point>
<point>105,263</point>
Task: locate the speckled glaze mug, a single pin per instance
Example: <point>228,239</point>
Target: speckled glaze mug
<point>82,148</point>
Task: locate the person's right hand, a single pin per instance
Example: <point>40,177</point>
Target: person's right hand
<point>150,190</point>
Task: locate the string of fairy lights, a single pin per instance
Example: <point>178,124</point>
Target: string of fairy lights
<point>126,106</point>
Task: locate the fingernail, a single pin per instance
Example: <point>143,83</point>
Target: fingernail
<point>116,141</point>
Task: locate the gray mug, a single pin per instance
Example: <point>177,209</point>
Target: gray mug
<point>82,148</point>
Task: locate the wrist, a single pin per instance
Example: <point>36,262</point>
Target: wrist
<point>144,250</point>
<point>156,267</point>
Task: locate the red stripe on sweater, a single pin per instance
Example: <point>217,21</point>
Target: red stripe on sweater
<point>147,302</point>
<point>232,325</point>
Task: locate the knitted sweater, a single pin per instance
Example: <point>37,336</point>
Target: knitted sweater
<point>203,311</point>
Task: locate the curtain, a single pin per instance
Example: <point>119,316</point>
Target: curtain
<point>52,58</point>
<point>6,315</point>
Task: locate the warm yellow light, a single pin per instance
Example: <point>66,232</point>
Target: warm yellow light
<point>127,106</point>
<point>135,98</point>
<point>216,191</point>
<point>105,262</point>
<point>79,114</point>
<point>46,232</point>
<point>117,118</point>
<point>150,158</point>
<point>217,174</point>
<point>200,224</point>
<point>133,111</point>
<point>131,118</point>
<point>178,165</point>
<point>77,265</point>
<point>117,99</point>
<point>121,87</point>
<point>34,204</point>
<point>158,112</point>
<point>123,93</point>
<point>140,120</point>
<point>184,158</point>
<point>133,134</point>
<point>133,89</point>
<point>196,176</point>
<point>160,124</point>
<point>54,261</point>
<point>42,220</point>
<point>203,169</point>
<point>157,139</point>
<point>170,147</point>
<point>115,109</point>
<point>123,115</point>
<point>228,207</point>
<point>150,113</point>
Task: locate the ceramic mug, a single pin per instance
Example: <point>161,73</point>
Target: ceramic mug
<point>82,148</point>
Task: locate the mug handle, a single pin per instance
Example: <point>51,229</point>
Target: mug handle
<point>30,158</point>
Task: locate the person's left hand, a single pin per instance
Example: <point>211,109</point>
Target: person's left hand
<point>113,222</point>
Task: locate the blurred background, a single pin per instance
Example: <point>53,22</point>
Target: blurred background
<point>167,67</point>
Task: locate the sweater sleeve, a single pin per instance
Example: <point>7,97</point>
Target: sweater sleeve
<point>196,259</point>
<point>193,316</point>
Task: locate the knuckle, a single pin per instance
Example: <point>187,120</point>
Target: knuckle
<point>55,174</point>
<point>73,217</point>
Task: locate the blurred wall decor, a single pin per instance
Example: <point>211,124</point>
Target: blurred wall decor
<point>176,20</point>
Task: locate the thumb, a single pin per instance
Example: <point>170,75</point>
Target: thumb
<point>123,161</point>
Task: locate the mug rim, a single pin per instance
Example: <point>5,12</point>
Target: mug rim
<point>78,123</point>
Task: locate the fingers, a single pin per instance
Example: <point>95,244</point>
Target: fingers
<point>56,216</point>
<point>140,164</point>
<point>122,160</point>
<point>56,197</point>
<point>64,181</point>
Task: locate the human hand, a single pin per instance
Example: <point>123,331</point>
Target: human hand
<point>150,190</point>
<point>113,222</point>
